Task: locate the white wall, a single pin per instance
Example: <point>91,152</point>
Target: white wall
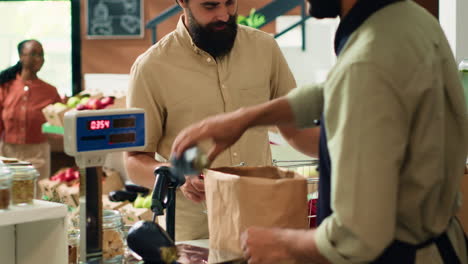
<point>453,16</point>
<point>313,64</point>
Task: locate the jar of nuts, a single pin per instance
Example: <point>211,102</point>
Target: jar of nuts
<point>23,185</point>
<point>113,246</point>
<point>5,187</point>
<point>73,244</point>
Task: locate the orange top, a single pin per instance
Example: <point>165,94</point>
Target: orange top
<point>21,103</point>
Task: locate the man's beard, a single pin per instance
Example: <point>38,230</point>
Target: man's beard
<point>217,43</point>
<point>324,8</point>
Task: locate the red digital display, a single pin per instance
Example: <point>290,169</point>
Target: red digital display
<point>99,124</point>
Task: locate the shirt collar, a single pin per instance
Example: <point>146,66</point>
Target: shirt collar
<point>184,36</point>
<point>360,12</point>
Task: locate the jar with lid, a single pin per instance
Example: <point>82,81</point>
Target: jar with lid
<point>463,69</point>
<point>112,237</point>
<point>23,184</point>
<point>5,187</point>
<point>73,244</point>
<point>192,162</point>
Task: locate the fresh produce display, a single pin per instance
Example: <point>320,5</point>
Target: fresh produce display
<point>66,175</point>
<point>143,202</point>
<point>255,20</point>
<point>93,103</point>
<point>139,195</point>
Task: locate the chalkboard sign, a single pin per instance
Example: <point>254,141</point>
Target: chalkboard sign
<point>114,19</point>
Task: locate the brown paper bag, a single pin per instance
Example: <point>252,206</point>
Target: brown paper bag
<point>241,197</point>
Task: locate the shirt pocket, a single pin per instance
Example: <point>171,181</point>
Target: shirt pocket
<point>253,94</point>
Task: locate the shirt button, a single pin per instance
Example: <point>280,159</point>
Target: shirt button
<point>208,60</point>
<point>26,88</point>
<point>223,86</point>
<point>235,154</point>
<point>23,107</point>
<point>25,98</point>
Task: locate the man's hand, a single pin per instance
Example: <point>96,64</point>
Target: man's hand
<point>264,246</point>
<point>193,189</point>
<point>224,130</point>
<point>274,245</point>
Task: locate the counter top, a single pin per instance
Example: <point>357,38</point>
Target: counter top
<point>38,211</point>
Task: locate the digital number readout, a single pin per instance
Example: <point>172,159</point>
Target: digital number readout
<point>99,124</point>
<point>122,138</point>
<point>123,122</point>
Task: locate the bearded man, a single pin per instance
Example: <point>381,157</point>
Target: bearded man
<point>208,65</point>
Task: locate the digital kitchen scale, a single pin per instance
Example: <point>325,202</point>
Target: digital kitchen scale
<point>88,136</point>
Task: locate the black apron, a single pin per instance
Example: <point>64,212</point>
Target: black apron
<point>398,251</point>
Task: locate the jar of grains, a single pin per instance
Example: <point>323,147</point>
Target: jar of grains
<point>73,245</point>
<point>5,187</point>
<point>112,237</point>
<point>23,188</point>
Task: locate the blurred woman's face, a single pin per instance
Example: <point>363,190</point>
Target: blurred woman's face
<point>32,56</point>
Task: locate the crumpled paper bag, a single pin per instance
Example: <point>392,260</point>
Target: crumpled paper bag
<point>242,197</point>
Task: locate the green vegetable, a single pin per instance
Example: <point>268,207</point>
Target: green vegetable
<point>147,202</point>
<point>253,20</point>
<point>139,202</point>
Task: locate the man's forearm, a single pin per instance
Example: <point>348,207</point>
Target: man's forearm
<point>275,112</point>
<point>303,140</point>
<point>140,167</point>
<point>301,245</point>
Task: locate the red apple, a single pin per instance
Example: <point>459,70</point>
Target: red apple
<point>59,176</point>
<point>76,174</point>
<point>69,174</point>
<point>108,100</point>
<point>80,107</point>
<point>94,104</point>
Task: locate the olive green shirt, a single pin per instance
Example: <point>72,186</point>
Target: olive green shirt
<point>397,135</point>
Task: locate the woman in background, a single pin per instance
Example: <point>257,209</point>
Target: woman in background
<point>22,97</point>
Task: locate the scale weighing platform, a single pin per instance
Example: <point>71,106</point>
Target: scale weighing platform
<point>88,136</point>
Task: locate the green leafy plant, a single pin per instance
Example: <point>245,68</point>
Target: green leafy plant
<point>254,20</point>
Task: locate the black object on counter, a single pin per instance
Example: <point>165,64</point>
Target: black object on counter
<point>152,243</point>
<point>130,187</point>
<point>121,196</point>
<point>148,239</point>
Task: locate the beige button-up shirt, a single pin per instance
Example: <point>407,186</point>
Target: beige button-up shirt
<point>397,134</point>
<point>179,84</point>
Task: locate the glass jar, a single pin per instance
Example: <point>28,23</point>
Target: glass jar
<point>5,187</point>
<point>23,184</point>
<point>113,245</point>
<point>191,162</point>
<point>73,244</point>
<point>463,69</point>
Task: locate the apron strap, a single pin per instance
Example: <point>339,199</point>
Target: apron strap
<point>405,253</point>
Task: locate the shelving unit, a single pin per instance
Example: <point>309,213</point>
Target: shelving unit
<point>34,234</point>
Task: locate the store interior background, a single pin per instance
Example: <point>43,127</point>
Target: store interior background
<point>108,61</point>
